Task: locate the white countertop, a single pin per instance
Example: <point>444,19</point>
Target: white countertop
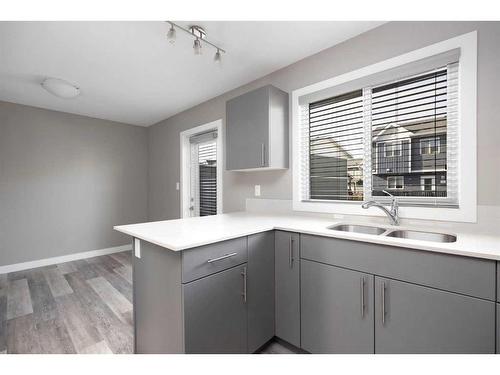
<point>182,234</point>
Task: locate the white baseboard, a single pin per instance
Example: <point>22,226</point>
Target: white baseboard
<point>62,259</point>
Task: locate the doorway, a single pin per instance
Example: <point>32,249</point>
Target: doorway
<point>201,170</point>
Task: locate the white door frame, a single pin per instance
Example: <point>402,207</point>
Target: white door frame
<point>185,165</point>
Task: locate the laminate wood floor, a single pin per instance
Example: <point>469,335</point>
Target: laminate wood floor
<point>84,306</point>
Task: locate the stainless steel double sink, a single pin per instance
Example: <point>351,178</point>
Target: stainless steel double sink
<point>396,233</point>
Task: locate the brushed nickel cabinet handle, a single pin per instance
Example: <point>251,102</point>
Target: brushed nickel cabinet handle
<point>383,303</point>
<point>290,252</point>
<point>222,257</point>
<point>362,291</point>
<point>244,274</point>
<point>262,155</point>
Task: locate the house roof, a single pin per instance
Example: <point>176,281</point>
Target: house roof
<point>410,129</point>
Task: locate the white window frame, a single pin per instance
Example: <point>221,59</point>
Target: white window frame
<point>437,143</point>
<point>395,178</point>
<point>185,150</point>
<point>467,133</point>
<point>392,144</point>
<point>433,179</point>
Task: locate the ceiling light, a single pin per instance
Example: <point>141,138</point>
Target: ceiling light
<point>197,47</point>
<point>171,34</point>
<point>200,36</point>
<point>217,57</point>
<point>60,88</point>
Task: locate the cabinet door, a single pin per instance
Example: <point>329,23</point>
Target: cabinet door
<point>247,130</point>
<point>415,319</point>
<point>287,276</point>
<point>498,328</point>
<point>336,309</point>
<point>260,289</point>
<point>215,313</point>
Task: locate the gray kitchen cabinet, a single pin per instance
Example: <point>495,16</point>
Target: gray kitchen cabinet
<point>287,277</point>
<point>498,328</point>
<point>260,289</point>
<point>336,309</point>
<point>257,130</point>
<point>215,308</point>
<point>498,281</point>
<point>414,319</point>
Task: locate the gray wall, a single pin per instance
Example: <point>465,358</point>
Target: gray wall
<point>384,42</point>
<point>65,180</point>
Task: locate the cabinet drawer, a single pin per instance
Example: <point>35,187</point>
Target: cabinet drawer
<point>209,259</point>
<point>471,276</point>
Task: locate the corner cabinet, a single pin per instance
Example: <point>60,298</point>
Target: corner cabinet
<point>257,130</point>
<point>287,276</point>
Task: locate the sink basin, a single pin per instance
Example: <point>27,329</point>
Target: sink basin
<point>364,229</point>
<point>422,236</point>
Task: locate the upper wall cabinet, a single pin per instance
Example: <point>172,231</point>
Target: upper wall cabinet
<point>257,130</point>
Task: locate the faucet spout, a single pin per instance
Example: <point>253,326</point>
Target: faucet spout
<point>391,213</point>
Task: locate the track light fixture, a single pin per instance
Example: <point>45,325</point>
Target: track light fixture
<point>199,35</point>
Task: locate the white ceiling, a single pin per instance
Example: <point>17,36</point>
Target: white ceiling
<point>128,72</point>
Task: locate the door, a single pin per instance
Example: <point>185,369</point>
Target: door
<point>415,319</point>
<point>203,166</point>
<point>287,277</point>
<point>247,130</point>
<point>260,289</point>
<point>336,309</point>
<point>215,313</point>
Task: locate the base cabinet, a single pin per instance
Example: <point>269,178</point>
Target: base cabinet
<point>414,319</point>
<point>287,277</point>
<point>260,289</point>
<point>215,318</point>
<point>337,309</point>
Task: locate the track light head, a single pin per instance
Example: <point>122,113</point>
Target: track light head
<point>218,57</point>
<point>197,47</point>
<point>171,34</point>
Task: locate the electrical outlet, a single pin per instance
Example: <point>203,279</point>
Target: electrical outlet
<point>257,190</point>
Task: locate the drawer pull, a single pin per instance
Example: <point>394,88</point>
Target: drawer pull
<point>244,274</point>
<point>362,291</point>
<point>221,258</point>
<point>384,312</point>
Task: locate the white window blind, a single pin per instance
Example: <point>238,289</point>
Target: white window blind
<point>398,136</point>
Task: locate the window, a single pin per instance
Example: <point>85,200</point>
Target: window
<point>411,116</point>
<point>430,146</point>
<point>392,149</point>
<point>395,182</point>
<point>336,148</point>
<point>428,183</point>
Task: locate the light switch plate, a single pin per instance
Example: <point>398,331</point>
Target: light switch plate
<point>137,248</point>
<point>257,190</point>
<point>177,186</point>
